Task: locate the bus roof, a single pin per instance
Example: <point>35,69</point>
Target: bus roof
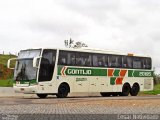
<point>102,51</point>
<point>94,50</point>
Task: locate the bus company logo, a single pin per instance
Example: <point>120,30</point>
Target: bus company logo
<point>79,72</point>
<point>71,71</point>
<point>145,74</point>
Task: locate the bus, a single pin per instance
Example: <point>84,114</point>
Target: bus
<point>47,71</point>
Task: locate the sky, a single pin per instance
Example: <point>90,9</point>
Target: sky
<point>127,26</point>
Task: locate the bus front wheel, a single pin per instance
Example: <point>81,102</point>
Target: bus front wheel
<point>42,95</point>
<point>63,91</point>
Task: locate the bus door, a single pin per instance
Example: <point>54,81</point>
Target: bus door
<point>46,71</point>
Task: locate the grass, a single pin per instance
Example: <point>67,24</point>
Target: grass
<point>6,83</point>
<point>155,91</point>
<point>5,73</point>
<point>4,59</point>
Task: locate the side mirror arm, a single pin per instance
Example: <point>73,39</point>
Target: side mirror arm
<point>35,62</point>
<point>9,62</point>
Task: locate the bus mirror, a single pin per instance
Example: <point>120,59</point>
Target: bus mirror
<point>36,62</point>
<point>9,62</point>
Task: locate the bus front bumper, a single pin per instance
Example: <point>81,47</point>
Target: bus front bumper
<point>25,89</point>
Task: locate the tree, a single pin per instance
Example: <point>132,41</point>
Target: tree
<point>70,44</point>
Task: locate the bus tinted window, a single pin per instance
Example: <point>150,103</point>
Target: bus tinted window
<point>119,61</point>
<point>74,58</point>
<point>137,63</point>
<point>124,62</point>
<point>147,63</point>
<point>129,62</point>
<point>47,65</point>
<point>112,61</point>
<point>95,60</point>
<point>103,60</point>
<point>83,59</point>
<point>115,61</point>
<point>62,58</point>
<point>100,60</point>
<point>71,58</point>
<point>67,58</point>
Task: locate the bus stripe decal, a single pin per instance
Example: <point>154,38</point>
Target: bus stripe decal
<point>116,76</point>
<point>116,73</point>
<point>110,72</point>
<point>123,73</point>
<point>63,71</point>
<point>119,81</point>
<point>112,80</point>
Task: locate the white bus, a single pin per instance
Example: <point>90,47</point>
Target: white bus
<point>61,71</point>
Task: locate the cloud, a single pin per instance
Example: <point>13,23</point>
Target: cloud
<point>119,25</point>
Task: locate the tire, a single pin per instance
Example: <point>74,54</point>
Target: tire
<point>63,91</point>
<point>42,95</point>
<point>135,89</point>
<point>105,94</point>
<point>126,90</point>
<point>115,94</point>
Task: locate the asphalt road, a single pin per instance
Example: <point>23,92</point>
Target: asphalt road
<point>87,107</point>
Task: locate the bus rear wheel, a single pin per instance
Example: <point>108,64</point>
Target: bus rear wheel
<point>42,95</point>
<point>105,94</point>
<point>135,89</point>
<point>126,89</point>
<point>63,91</point>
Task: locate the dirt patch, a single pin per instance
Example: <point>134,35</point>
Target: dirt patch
<point>5,73</point>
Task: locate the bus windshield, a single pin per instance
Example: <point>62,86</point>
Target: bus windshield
<point>24,69</point>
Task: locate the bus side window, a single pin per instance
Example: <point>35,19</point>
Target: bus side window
<point>124,62</point>
<point>88,60</point>
<point>112,61</point>
<point>105,61</point>
<point>62,61</point>
<point>101,61</point>
<point>78,61</point>
<point>147,63</point>
<point>137,63</point>
<point>129,62</point>
<point>119,61</point>
<point>95,60</point>
<point>71,58</point>
<point>62,58</point>
<point>83,59</point>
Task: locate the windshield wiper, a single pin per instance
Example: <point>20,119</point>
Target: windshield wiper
<point>21,75</point>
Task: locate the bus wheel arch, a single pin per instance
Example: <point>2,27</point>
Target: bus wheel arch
<point>126,89</point>
<point>63,90</point>
<point>135,89</point>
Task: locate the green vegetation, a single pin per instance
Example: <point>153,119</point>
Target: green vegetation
<point>4,59</point>
<point>6,74</point>
<point>6,83</point>
<point>155,91</point>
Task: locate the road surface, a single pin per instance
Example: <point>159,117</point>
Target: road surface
<point>80,107</point>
